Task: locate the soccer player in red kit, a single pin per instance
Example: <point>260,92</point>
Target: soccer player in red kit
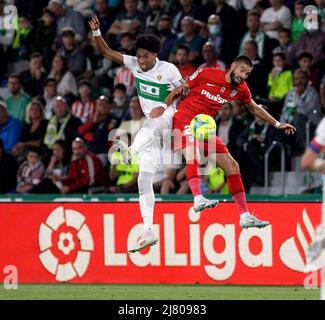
<point>206,91</point>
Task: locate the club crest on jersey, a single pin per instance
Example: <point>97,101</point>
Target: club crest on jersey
<point>223,89</point>
<point>159,77</point>
<point>233,92</point>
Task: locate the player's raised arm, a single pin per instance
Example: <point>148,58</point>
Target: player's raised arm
<point>102,46</point>
<point>264,115</point>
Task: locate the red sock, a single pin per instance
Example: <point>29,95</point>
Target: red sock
<point>237,190</point>
<point>193,178</point>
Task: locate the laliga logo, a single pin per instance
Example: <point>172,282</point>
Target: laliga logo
<point>65,243</point>
<point>289,252</point>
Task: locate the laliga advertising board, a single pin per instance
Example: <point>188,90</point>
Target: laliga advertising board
<point>87,243</point>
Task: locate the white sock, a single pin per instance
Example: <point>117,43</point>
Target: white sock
<point>146,199</point>
<point>198,198</point>
<point>144,136</point>
<point>245,215</point>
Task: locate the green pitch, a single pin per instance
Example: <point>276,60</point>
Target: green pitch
<point>156,292</point>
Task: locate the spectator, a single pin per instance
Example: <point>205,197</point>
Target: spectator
<point>84,7</point>
<point>302,104</point>
<point>17,100</point>
<point>153,13</point>
<point>189,38</point>
<point>62,125</point>
<point>129,20</point>
<point>285,43</point>
<point>254,141</point>
<point>97,129</point>
<point>125,76</point>
<point>124,175</point>
<point>279,83</point>
<point>34,130</point>
<point>85,170</point>
<point>97,65</point>
<point>257,80</point>
<point>56,171</point>
<point>65,79</point>
<point>31,172</point>
<point>24,37</point>
<point>312,41</point>
<point>72,52</point>
<point>166,35</point>
<point>215,180</point>
<point>45,32</point>
<point>305,63</point>
<point>33,78</point>
<point>120,101</point>
<point>188,9</point>
<point>50,93</point>
<point>265,44</point>
<point>229,128</point>
<point>105,15</point>
<point>185,68</point>
<point>276,17</point>
<point>132,126</point>
<point>215,35</point>
<point>297,25</point>
<point>210,57</point>
<point>322,93</point>
<point>67,17</point>
<point>10,128</point>
<point>8,170</point>
<point>85,107</point>
<point>126,43</point>
<point>229,30</point>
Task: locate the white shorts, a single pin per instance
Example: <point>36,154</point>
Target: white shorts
<point>150,154</point>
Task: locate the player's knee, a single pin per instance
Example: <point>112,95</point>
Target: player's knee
<point>232,167</point>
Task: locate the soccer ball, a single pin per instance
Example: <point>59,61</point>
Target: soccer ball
<point>203,127</point>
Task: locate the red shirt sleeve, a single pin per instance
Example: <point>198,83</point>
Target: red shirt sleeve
<point>246,96</point>
<point>198,77</point>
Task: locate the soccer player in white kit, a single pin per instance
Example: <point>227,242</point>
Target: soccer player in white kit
<point>154,80</point>
<point>311,160</point>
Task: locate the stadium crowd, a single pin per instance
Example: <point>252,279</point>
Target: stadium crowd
<point>59,98</point>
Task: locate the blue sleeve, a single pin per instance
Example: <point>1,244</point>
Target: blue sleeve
<point>14,133</point>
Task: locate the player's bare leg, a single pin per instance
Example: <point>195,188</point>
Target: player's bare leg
<point>194,180</point>
<point>236,188</point>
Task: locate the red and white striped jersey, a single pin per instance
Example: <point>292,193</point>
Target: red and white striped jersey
<point>126,77</point>
<point>84,111</point>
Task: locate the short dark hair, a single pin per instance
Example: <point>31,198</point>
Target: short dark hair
<point>301,2</point>
<point>279,54</point>
<point>84,82</point>
<point>148,42</point>
<point>120,86</point>
<point>35,150</point>
<point>287,31</point>
<point>15,76</point>
<point>254,13</point>
<point>184,47</point>
<point>244,59</point>
<point>126,35</point>
<point>35,55</point>
<point>48,80</point>
<point>165,17</point>
<point>305,54</point>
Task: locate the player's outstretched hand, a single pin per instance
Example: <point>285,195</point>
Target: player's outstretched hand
<point>157,112</point>
<point>287,128</point>
<point>94,23</point>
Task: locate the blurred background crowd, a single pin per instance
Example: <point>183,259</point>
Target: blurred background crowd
<point>59,98</point>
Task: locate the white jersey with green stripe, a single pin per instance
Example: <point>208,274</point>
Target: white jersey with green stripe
<point>154,85</point>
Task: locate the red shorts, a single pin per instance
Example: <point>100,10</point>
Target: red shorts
<point>183,137</point>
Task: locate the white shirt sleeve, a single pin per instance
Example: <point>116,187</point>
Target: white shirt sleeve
<point>175,76</point>
<point>285,17</point>
<point>130,62</point>
<point>320,133</point>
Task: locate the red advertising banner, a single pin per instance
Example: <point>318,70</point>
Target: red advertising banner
<point>88,242</point>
